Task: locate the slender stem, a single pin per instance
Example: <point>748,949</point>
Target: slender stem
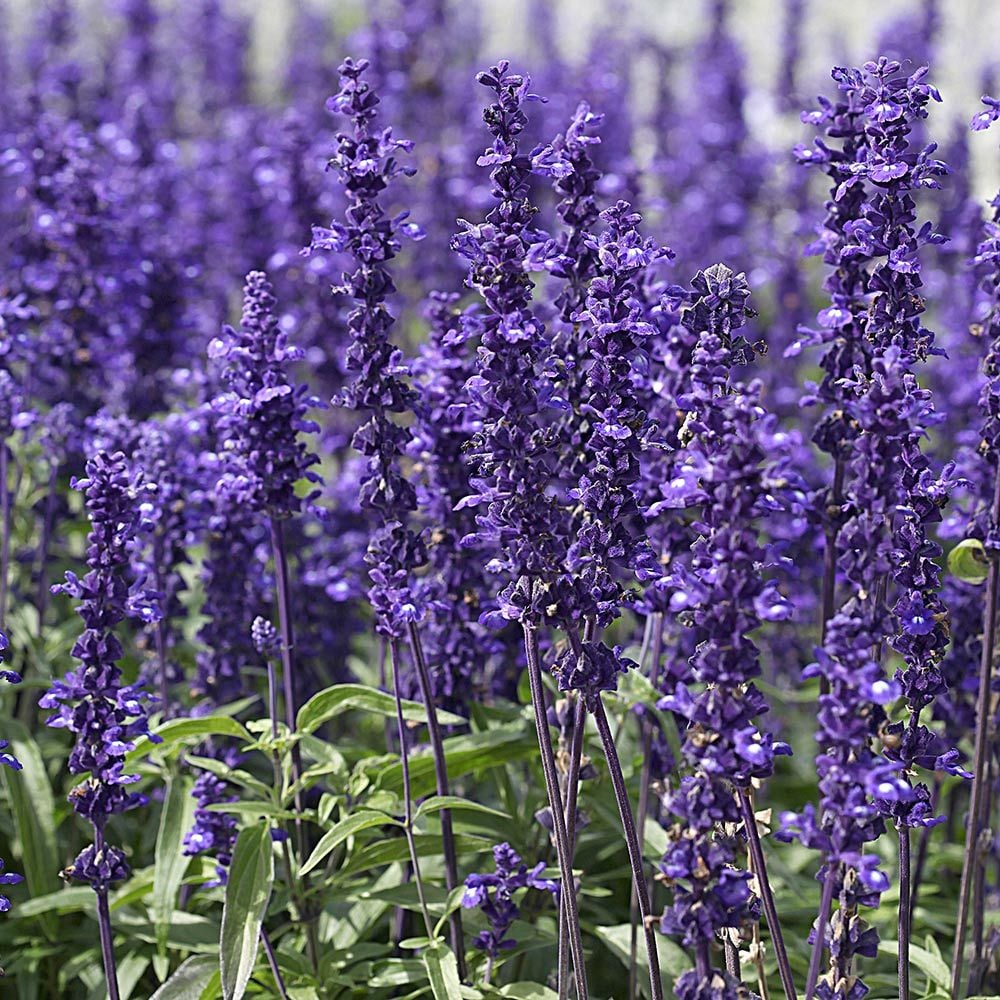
<point>441,781</point>
<point>655,623</point>
<point>829,587</point>
<point>732,956</point>
<point>978,965</point>
<point>903,933</point>
<point>5,506</point>
<point>555,805</point>
<point>825,905</point>
<point>42,591</point>
<point>404,757</point>
<point>104,924</point>
<point>272,961</point>
<point>161,666</point>
<point>758,961</point>
<point>632,843</point>
<point>572,791</point>
<point>922,845</point>
<point>766,894</point>
<point>979,776</point>
<point>280,557</point>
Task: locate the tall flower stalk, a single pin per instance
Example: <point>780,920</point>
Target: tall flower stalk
<point>735,474</point>
<point>875,415</point>
<point>366,164</point>
<point>520,519</point>
<point>973,862</point>
<point>105,715</point>
<point>264,414</point>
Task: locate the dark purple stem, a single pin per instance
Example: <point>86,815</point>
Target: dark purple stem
<point>5,541</point>
<point>272,961</point>
<point>404,758</point>
<point>924,842</point>
<point>977,967</point>
<point>572,792</point>
<point>766,895</point>
<point>632,844</point>
<point>829,589</point>
<point>104,924</point>
<point>555,805</point>
<point>645,776</point>
<point>287,663</point>
<point>42,591</point>
<point>825,904</point>
<point>288,683</point>
<point>979,776</point>
<point>903,933</point>
<point>441,781</point>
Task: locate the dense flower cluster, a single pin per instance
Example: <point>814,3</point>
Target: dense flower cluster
<point>264,410</point>
<point>543,468</point>
<point>105,715</point>
<point>513,453</point>
<point>734,477</point>
<point>366,164</point>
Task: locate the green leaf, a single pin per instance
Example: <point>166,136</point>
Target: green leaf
<point>233,775</point>
<point>324,706</point>
<point>33,806</point>
<point>528,991</point>
<point>464,754</point>
<point>442,971</point>
<point>931,965</point>
<point>72,899</point>
<point>178,730</point>
<point>170,861</point>
<point>436,803</point>
<point>673,959</point>
<point>190,979</point>
<point>968,561</point>
<point>248,890</point>
<point>339,832</point>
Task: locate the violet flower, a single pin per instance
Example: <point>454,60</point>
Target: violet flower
<point>493,893</point>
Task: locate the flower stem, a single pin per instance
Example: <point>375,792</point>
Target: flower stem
<point>923,843</point>
<point>903,933</point>
<point>825,905</point>
<point>272,961</point>
<point>829,585</point>
<point>555,805</point>
<point>978,966</point>
<point>572,791</point>
<point>655,621</point>
<point>766,895</point>
<point>104,925</point>
<point>42,591</point>
<point>979,782</point>
<point>287,662</point>
<point>404,757</point>
<point>441,781</point>
<point>5,527</point>
<point>288,684</point>
<point>632,843</point>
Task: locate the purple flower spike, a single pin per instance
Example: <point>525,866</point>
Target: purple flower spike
<point>105,716</point>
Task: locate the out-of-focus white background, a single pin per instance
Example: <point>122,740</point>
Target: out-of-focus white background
<point>836,32</point>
